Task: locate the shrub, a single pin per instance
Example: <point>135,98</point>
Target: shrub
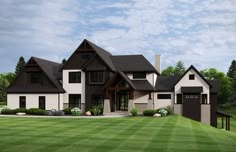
<point>168,109</point>
<point>67,111</point>
<point>2,107</point>
<point>149,112</point>
<point>8,112</point>
<point>75,111</point>
<point>96,110</point>
<point>35,111</point>
<point>20,110</point>
<point>48,113</point>
<point>59,113</point>
<point>134,112</point>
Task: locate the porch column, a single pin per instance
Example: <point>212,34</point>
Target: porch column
<point>107,106</point>
<point>150,102</point>
<point>131,101</point>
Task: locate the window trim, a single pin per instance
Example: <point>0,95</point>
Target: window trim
<point>70,80</point>
<point>181,98</point>
<point>103,77</point>
<point>20,97</point>
<point>204,94</point>
<point>44,107</point>
<point>69,104</point>
<point>138,75</point>
<point>191,76</point>
<point>162,96</point>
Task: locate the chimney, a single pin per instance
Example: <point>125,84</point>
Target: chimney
<point>158,63</point>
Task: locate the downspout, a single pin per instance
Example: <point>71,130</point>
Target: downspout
<point>58,101</point>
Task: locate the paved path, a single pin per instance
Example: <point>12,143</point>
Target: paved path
<point>35,116</point>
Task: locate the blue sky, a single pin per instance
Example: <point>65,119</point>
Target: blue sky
<point>198,32</point>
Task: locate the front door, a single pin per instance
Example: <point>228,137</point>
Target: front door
<point>122,99</point>
<point>192,106</point>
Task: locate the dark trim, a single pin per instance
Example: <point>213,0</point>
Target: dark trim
<point>196,89</point>
<point>192,67</point>
<point>35,92</point>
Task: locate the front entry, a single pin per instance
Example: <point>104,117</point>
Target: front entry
<point>122,99</point>
<point>192,106</point>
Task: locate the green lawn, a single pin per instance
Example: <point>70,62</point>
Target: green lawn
<point>172,133</point>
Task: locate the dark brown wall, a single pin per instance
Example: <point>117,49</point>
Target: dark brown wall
<point>95,89</point>
<point>23,82</point>
<point>213,103</point>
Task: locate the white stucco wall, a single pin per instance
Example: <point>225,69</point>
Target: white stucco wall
<point>52,101</point>
<point>140,97</point>
<point>73,88</point>
<point>161,103</point>
<point>198,81</point>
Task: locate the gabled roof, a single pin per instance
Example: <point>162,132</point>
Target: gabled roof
<point>193,68</point>
<point>52,72</point>
<point>132,63</point>
<point>103,54</point>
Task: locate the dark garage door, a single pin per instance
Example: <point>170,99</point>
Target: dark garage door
<point>191,106</point>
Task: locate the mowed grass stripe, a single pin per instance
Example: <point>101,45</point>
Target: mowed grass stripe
<point>172,133</point>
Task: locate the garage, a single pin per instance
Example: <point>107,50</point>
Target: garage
<point>192,102</point>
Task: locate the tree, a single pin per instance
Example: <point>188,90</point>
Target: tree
<point>224,83</point>
<point>63,61</point>
<point>232,69</point>
<point>20,65</point>
<point>232,98</point>
<point>179,68</point>
<point>168,71</point>
<point>5,81</point>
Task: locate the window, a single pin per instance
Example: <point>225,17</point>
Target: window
<point>42,102</point>
<point>164,96</point>
<point>179,98</point>
<point>96,77</point>
<point>191,77</point>
<point>97,100</point>
<point>22,103</point>
<point>74,100</point>
<point>36,77</point>
<point>204,98</point>
<point>74,77</point>
<point>139,75</point>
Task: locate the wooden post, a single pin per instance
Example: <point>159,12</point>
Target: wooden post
<point>226,128</point>
<point>222,118</point>
<point>229,123</point>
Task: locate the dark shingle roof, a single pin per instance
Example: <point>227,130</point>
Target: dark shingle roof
<point>166,83</point>
<point>106,56</point>
<point>132,63</point>
<point>215,86</point>
<point>142,85</point>
<point>52,70</point>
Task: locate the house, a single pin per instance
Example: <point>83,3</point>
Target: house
<point>92,76</point>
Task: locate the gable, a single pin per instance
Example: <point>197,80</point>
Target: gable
<point>198,81</point>
<point>23,83</point>
<point>80,57</point>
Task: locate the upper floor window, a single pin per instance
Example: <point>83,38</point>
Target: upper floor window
<point>139,75</point>
<point>74,77</point>
<point>36,77</point>
<point>96,77</point>
<point>164,96</point>
<point>191,77</point>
